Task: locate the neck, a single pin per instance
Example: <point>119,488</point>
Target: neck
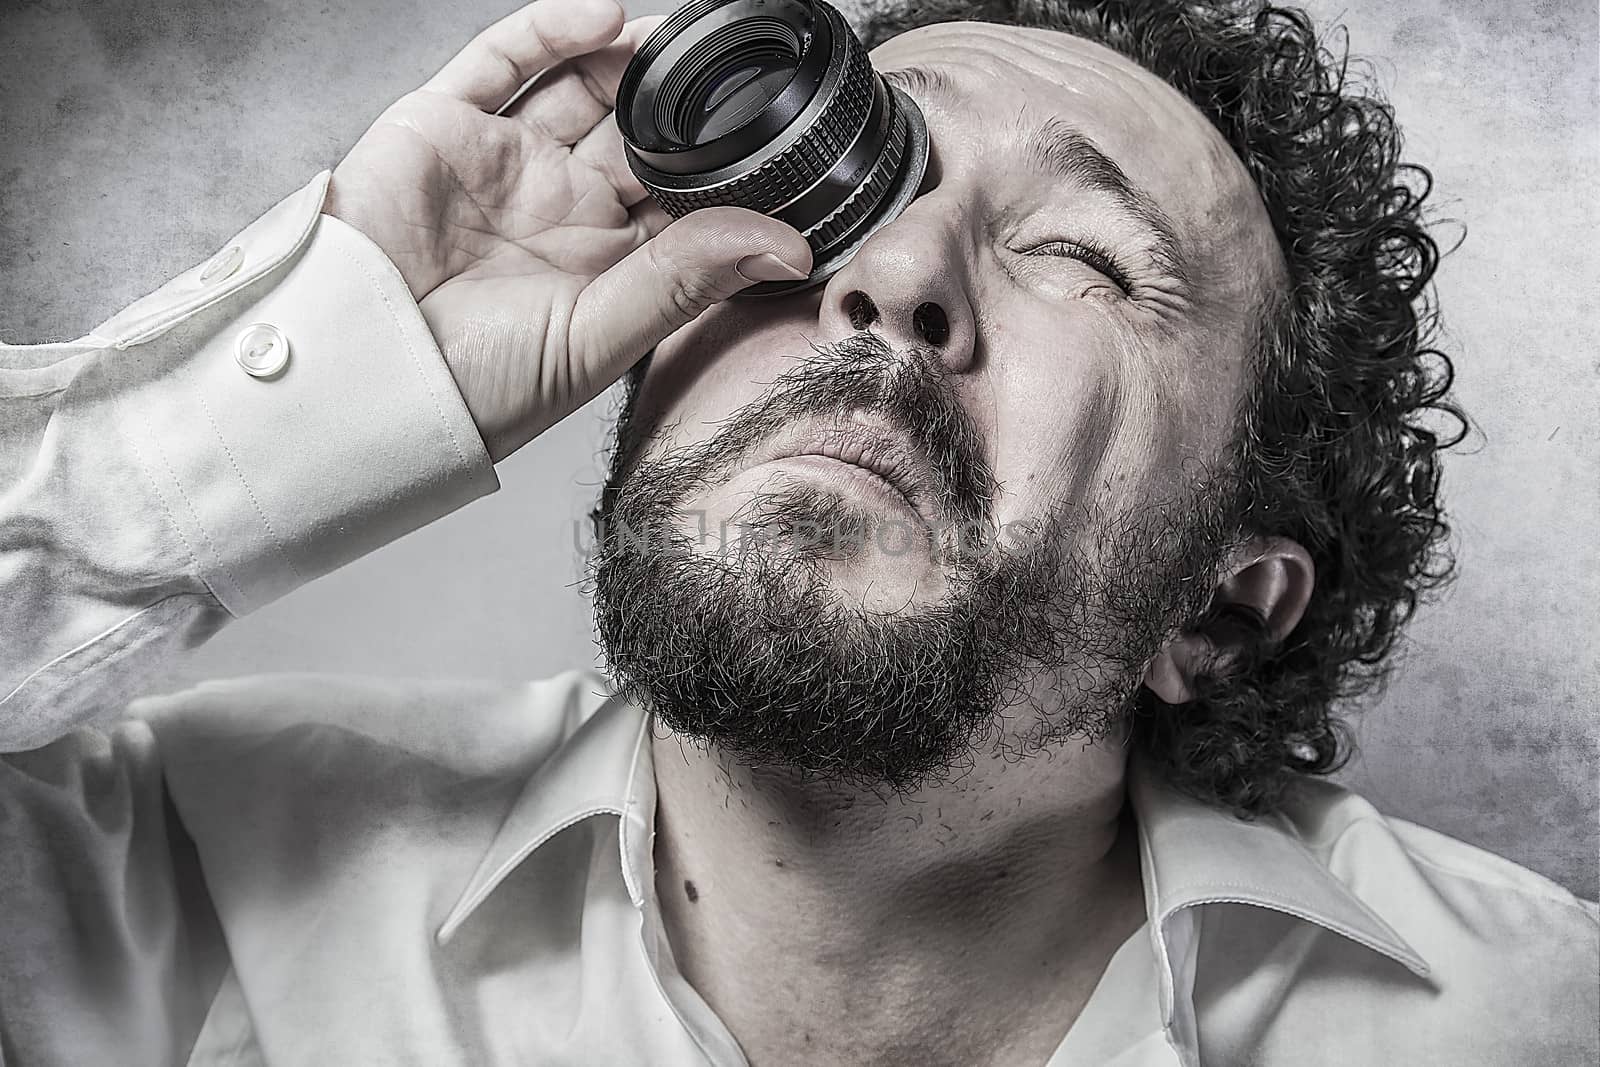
<point>965,923</point>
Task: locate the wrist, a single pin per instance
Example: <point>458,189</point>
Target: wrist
<point>350,201</point>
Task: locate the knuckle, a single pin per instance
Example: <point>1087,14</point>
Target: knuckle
<point>690,295</point>
<point>509,68</point>
<point>541,35</point>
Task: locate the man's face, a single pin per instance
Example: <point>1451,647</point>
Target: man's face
<point>1056,341</point>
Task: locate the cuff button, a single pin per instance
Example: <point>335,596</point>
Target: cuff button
<point>223,265</point>
<point>262,350</point>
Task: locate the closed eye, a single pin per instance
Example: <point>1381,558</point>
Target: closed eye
<point>1092,255</point>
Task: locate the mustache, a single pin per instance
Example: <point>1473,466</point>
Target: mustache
<point>908,389</point>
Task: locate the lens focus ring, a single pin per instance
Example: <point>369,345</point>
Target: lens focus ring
<point>788,174</point>
<point>866,197</point>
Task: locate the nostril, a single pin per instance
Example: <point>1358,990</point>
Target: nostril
<point>862,311</point>
<point>931,323</point>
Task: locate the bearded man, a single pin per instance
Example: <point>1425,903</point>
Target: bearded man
<point>974,621</point>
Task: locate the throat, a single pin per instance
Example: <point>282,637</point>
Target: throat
<point>851,929</point>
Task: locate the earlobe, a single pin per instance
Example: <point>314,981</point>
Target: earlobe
<point>1271,578</point>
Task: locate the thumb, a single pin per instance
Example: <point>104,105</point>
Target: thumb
<point>696,261</point>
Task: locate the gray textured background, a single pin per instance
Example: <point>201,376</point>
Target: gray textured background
<point>138,135</point>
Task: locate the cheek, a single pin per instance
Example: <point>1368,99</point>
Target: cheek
<point>711,368</point>
<point>1078,420</point>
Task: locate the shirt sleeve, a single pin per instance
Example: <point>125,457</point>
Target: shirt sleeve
<point>258,421</point>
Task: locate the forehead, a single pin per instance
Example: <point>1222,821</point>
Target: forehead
<point>1008,78</point>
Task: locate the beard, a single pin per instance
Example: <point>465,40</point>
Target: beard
<point>1041,632</point>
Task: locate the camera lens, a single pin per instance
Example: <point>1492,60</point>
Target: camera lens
<point>772,105</point>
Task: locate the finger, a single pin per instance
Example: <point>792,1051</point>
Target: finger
<point>669,280</point>
<point>501,59</point>
<point>604,66</point>
<point>601,151</point>
<point>575,96</point>
<point>560,107</point>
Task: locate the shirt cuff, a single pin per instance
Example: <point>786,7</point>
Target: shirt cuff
<point>277,476</point>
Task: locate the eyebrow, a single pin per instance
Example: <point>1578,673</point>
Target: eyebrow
<point>1057,149</point>
<point>925,82</point>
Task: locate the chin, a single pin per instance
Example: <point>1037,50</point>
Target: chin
<point>888,585</point>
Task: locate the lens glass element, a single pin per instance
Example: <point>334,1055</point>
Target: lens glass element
<point>739,95</point>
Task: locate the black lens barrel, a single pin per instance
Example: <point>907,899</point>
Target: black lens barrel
<point>835,153</point>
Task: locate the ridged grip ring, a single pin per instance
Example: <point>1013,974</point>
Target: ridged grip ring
<point>866,197</point>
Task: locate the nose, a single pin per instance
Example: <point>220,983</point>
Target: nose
<point>909,281</point>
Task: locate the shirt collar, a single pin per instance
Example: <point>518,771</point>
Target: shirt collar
<point>1191,854</point>
<point>603,768</point>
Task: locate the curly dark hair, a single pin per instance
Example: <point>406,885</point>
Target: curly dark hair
<point>1332,446</point>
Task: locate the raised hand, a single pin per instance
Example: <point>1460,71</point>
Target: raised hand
<point>541,266</point>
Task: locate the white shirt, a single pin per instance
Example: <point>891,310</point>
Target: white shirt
<point>327,870</point>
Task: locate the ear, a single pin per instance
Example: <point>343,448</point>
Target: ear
<point>1271,575</point>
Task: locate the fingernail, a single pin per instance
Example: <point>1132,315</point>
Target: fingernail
<point>767,267</point>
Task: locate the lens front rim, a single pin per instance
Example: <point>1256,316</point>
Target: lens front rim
<point>644,89</point>
<point>850,153</point>
<point>742,42</point>
<point>829,130</point>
